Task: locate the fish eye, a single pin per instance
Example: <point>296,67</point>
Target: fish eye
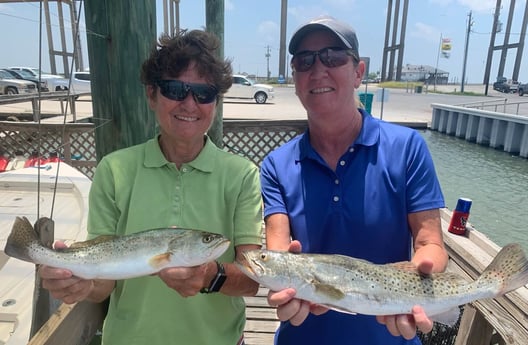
<point>263,256</point>
<point>207,238</point>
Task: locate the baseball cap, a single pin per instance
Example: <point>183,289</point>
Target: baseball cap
<point>343,31</point>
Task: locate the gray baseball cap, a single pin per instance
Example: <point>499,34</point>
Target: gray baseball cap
<point>343,31</point>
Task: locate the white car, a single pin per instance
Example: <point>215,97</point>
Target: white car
<point>80,82</point>
<point>11,86</point>
<point>243,87</point>
<point>55,82</point>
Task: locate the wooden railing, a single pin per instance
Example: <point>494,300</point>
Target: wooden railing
<point>486,322</point>
<point>61,96</point>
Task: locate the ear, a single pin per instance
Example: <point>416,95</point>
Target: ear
<point>359,72</point>
<point>151,92</point>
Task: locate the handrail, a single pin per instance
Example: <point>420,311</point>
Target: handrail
<point>61,96</point>
<point>503,103</point>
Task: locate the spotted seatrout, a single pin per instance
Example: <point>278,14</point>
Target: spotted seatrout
<point>119,257</point>
<point>354,286</point>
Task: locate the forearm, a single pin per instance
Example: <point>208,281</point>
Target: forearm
<point>237,283</point>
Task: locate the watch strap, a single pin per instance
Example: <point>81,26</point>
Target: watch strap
<point>218,280</point>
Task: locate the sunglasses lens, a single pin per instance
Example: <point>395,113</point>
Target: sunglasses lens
<point>333,58</point>
<point>303,61</point>
<point>204,93</point>
<point>173,89</point>
<point>178,91</point>
<point>330,57</point>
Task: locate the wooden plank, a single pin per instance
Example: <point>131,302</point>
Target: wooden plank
<point>73,324</point>
<point>473,330</point>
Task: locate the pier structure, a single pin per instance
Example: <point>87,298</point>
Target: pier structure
<point>499,130</point>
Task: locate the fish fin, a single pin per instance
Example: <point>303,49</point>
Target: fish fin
<point>403,266</point>
<point>160,260</point>
<point>448,318</point>
<point>509,268</point>
<point>21,237</point>
<point>339,309</point>
<point>94,241</point>
<point>327,290</point>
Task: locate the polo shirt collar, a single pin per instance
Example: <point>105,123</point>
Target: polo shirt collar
<point>154,157</point>
<point>368,136</point>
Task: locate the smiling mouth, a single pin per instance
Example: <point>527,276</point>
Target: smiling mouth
<point>186,118</point>
<point>321,90</point>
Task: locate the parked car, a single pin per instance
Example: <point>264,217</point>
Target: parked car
<point>506,85</point>
<point>55,82</point>
<point>245,88</point>
<point>523,89</point>
<point>23,75</point>
<point>80,82</point>
<point>11,86</point>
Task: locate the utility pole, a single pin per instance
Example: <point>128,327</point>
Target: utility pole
<point>470,23</point>
<point>437,58</point>
<point>267,58</point>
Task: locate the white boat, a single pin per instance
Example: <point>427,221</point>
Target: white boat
<point>64,195</point>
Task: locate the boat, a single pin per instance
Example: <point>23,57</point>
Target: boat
<point>55,189</point>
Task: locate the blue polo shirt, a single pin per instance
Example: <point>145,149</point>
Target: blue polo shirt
<point>359,210</point>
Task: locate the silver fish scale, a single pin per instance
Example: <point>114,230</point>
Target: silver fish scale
<point>363,276</point>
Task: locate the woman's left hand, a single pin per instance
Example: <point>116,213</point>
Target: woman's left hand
<point>405,325</point>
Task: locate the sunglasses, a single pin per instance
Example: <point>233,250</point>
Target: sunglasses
<point>177,90</point>
<point>330,57</point>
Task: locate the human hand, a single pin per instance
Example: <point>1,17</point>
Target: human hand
<point>290,308</point>
<point>187,281</point>
<point>62,284</point>
<point>405,325</point>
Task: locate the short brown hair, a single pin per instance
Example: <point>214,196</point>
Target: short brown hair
<point>173,54</point>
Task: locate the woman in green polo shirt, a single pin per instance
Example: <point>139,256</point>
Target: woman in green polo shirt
<point>177,178</point>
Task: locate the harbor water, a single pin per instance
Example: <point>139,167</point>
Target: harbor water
<point>496,181</point>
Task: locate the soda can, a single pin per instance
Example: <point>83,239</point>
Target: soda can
<point>460,216</point>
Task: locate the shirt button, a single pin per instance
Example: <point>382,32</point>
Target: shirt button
<point>342,163</point>
<point>336,181</point>
<point>336,198</point>
<point>351,150</point>
<point>184,170</point>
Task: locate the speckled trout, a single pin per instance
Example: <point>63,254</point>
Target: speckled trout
<point>119,257</point>
<point>355,286</point>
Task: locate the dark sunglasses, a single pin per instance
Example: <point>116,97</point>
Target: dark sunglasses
<point>330,57</point>
<point>177,90</point>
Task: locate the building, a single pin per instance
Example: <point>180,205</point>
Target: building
<point>424,73</point>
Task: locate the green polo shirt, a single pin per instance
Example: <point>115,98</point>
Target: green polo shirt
<point>136,189</point>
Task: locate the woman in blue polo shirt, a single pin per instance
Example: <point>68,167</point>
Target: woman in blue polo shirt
<point>351,185</point>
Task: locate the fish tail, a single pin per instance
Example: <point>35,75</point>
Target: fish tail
<point>509,269</point>
<point>21,236</point>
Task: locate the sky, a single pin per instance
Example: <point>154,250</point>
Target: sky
<point>253,26</point>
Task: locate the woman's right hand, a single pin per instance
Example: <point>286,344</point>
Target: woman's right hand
<point>63,285</point>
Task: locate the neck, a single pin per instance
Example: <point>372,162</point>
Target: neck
<point>332,138</point>
<point>181,151</point>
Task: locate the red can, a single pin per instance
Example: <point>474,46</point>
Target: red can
<point>460,217</point>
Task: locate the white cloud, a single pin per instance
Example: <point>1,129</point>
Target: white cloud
<point>269,32</point>
<point>422,30</point>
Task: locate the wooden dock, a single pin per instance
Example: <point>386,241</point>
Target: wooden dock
<point>488,322</point>
<point>261,319</point>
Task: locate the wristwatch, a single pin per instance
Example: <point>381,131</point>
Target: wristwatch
<point>217,281</point>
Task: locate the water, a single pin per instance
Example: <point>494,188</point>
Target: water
<point>496,181</point>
